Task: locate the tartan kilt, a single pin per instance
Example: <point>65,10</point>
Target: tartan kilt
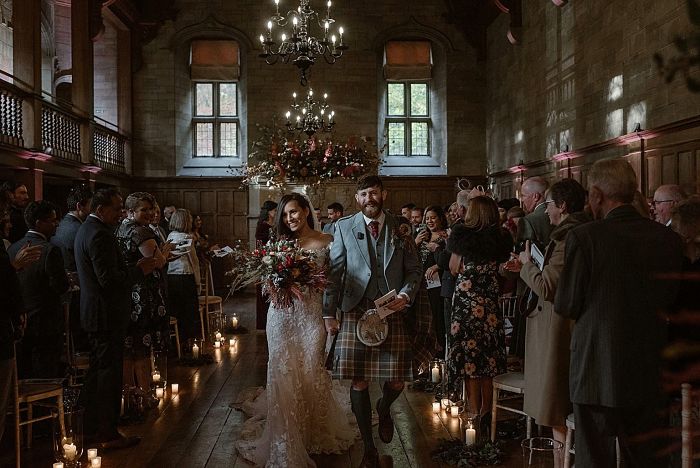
<point>392,360</point>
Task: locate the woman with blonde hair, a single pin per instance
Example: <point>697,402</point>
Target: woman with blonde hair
<point>476,336</point>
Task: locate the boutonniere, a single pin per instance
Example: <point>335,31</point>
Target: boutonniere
<point>401,236</point>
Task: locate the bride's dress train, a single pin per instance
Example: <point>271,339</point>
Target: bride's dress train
<point>301,411</point>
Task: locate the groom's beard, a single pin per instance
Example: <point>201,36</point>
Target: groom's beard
<point>372,209</point>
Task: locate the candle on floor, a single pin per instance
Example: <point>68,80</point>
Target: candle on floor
<point>470,434</point>
<point>175,388</point>
<point>195,351</point>
<point>218,336</point>
<point>70,451</point>
<point>96,462</point>
<point>234,322</point>
<point>58,465</point>
<point>436,407</point>
<point>232,342</point>
<point>435,374</point>
<point>454,411</point>
<point>159,392</point>
<point>217,344</point>
<point>92,453</point>
<point>445,402</point>
<point>156,376</point>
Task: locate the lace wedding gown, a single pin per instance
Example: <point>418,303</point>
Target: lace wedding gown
<point>301,411</point>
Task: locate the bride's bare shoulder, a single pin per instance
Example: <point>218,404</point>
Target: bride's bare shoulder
<point>318,241</point>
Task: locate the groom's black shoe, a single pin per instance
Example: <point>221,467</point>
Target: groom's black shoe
<point>370,459</point>
<point>386,424</point>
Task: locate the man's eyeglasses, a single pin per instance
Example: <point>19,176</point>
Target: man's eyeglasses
<point>656,202</point>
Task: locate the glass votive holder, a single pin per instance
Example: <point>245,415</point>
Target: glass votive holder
<point>470,432</point>
<point>234,321</point>
<point>58,465</point>
<point>92,453</point>
<point>96,462</point>
<point>454,411</point>
<point>175,388</point>
<point>217,344</point>
<point>232,342</point>
<point>159,392</point>
<point>445,403</point>
<point>436,407</point>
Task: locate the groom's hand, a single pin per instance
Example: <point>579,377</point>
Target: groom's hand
<point>399,303</point>
<point>331,326</point>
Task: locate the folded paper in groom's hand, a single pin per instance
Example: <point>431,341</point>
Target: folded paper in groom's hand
<point>382,303</point>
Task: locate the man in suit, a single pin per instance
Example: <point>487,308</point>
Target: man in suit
<point>78,202</point>
<point>42,285</point>
<point>20,199</point>
<point>535,227</point>
<point>611,286</point>
<point>369,258</point>
<point>335,212</point>
<point>165,222</point>
<point>105,295</point>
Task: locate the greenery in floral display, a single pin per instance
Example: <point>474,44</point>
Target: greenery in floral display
<point>455,452</point>
<point>278,158</point>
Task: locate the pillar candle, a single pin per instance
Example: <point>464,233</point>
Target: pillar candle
<point>70,451</point>
<point>218,336</point>
<point>454,411</point>
<point>156,376</point>
<point>195,351</point>
<point>232,342</point>
<point>436,407</point>
<point>159,392</point>
<point>470,436</point>
<point>92,453</point>
<point>217,344</point>
<point>435,374</point>
<point>175,388</point>
<point>96,462</point>
<point>234,322</point>
<point>58,465</point>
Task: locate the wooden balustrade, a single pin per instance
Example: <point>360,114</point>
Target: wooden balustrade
<point>60,132</point>
<point>109,149</point>
<point>10,117</point>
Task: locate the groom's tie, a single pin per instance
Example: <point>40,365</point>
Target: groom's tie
<point>374,229</point>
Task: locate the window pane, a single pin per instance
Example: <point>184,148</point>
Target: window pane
<point>204,139</point>
<point>419,99</point>
<point>204,95</point>
<point>229,139</point>
<point>419,138</point>
<point>395,99</point>
<point>397,142</point>
<point>227,99</point>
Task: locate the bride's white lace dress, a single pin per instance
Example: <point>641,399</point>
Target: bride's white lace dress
<point>301,411</point>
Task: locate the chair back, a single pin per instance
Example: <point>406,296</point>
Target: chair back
<point>508,306</point>
<point>689,399</point>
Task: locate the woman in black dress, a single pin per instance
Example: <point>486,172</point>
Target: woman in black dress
<point>149,321</point>
<point>476,335</point>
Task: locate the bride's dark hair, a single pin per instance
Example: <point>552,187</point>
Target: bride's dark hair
<point>283,230</point>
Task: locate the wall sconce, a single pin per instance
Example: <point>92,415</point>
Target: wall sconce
<point>637,127</point>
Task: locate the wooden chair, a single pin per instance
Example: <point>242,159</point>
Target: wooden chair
<point>508,307</point>
<point>211,307</point>
<point>511,382</point>
<point>33,392</point>
<point>175,332</point>
<point>688,397</point>
<point>78,363</point>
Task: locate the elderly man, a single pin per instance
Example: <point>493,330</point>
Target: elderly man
<point>666,197</point>
<point>611,287</point>
<point>534,227</point>
<point>165,222</point>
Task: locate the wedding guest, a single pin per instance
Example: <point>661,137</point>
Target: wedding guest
<point>155,225</point>
<point>535,225</point>
<point>450,214</point>
<point>335,212</point>
<point>263,232</point>
<point>148,327</point>
<point>504,206</point>
<point>666,197</point>
<point>5,227</point>
<point>611,286</point>
<point>78,202</point>
<point>548,335</point>
<point>406,210</point>
<point>164,223</point>
<point>476,336</point>
<point>431,242</point>
<point>183,277</point>
<point>416,219</point>
<point>20,199</point>
<point>105,306</point>
<point>317,212</point>
<point>42,285</point>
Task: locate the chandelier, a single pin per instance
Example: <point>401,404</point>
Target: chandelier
<point>310,116</point>
<point>301,48</point>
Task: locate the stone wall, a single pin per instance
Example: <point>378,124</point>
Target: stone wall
<point>582,76</point>
<point>162,96</point>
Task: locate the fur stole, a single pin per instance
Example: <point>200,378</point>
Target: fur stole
<point>480,246</point>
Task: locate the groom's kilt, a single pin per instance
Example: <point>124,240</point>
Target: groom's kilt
<point>392,360</point>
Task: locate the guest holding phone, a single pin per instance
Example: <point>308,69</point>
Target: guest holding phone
<point>548,334</point>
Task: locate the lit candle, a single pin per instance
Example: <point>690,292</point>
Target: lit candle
<point>121,410</point>
<point>58,465</point>
<point>232,342</point>
<point>341,31</point>
<point>470,434</point>
<point>70,451</point>
<point>435,374</point>
<point>218,335</point>
<point>156,376</point>
<point>234,319</point>
<point>262,39</point>
<point>159,392</point>
<point>454,411</point>
<point>96,462</point>
<point>175,388</point>
<point>92,453</point>
<point>436,407</point>
<point>217,344</point>
<point>195,351</point>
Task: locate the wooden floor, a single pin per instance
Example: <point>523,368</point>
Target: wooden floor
<point>198,427</point>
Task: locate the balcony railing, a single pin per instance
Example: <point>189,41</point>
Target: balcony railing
<point>109,149</point>
<point>60,132</point>
<point>10,117</point>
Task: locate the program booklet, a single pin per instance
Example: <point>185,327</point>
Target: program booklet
<point>537,257</point>
<point>382,302</point>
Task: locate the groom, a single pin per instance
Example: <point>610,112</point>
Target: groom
<point>368,259</point>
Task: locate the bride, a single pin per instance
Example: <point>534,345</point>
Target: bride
<point>299,412</point>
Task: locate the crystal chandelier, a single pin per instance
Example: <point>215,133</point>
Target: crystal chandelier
<point>310,116</point>
<point>301,47</point>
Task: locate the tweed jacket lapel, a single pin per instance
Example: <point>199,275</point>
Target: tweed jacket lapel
<point>389,247</point>
<point>359,233</point>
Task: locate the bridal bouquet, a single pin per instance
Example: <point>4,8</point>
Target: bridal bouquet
<point>287,271</point>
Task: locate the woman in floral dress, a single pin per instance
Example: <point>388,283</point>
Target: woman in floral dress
<point>148,324</point>
<point>476,336</point>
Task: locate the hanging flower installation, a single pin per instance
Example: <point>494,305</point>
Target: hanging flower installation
<point>279,158</point>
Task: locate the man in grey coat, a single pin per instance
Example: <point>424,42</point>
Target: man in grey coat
<point>612,286</point>
<point>369,257</point>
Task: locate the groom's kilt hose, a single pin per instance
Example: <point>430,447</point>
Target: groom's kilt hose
<point>392,360</point>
